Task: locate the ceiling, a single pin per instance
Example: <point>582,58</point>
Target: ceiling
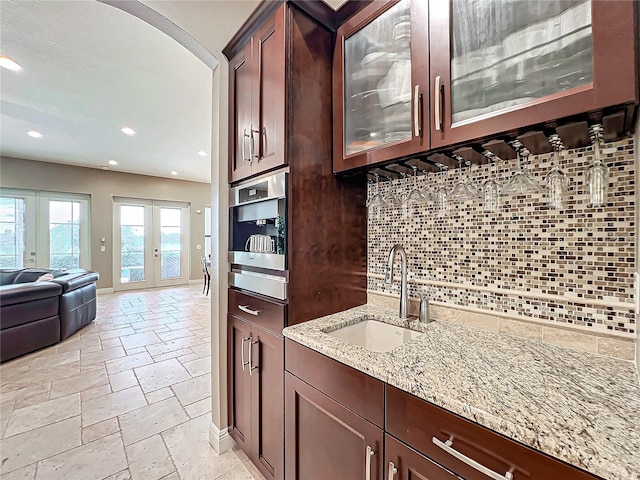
<point>90,69</point>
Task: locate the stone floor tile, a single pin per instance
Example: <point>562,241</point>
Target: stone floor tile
<point>173,334</point>
<point>45,413</point>
<point>149,459</point>
<point>24,473</point>
<point>128,362</point>
<point>172,345</point>
<point>152,419</point>
<point>161,374</point>
<point>32,446</point>
<point>122,380</point>
<point>95,392</point>
<point>157,395</point>
<point>55,359</point>
<point>202,350</point>
<point>110,343</point>
<point>139,340</point>
<point>95,460</point>
<point>101,356</point>
<point>199,408</point>
<point>32,395</point>
<point>99,430</point>
<point>78,383</point>
<point>111,405</point>
<point>193,390</point>
<point>118,332</point>
<point>123,475</point>
<point>173,354</point>
<point>198,367</point>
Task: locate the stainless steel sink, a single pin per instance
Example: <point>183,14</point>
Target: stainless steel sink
<point>374,335</point>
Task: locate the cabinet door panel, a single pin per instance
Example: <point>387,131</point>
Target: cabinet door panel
<point>239,333</point>
<point>381,84</point>
<point>240,86</point>
<point>268,402</point>
<point>324,440</point>
<point>410,465</point>
<point>268,106</point>
<point>503,65</point>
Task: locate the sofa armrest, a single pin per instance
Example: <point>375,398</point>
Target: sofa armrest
<point>27,292</point>
<point>76,278</point>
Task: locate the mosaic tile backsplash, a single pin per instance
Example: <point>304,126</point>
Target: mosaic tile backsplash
<point>561,259</point>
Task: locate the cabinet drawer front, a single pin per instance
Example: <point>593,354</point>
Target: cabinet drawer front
<point>355,390</point>
<point>267,314</point>
<point>417,423</point>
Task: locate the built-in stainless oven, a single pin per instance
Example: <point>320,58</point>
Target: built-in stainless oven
<point>258,235</point>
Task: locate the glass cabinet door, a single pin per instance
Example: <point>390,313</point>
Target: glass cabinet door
<point>503,64</point>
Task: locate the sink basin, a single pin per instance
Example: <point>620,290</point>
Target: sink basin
<point>374,335</point>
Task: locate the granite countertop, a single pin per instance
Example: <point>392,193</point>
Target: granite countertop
<point>579,407</point>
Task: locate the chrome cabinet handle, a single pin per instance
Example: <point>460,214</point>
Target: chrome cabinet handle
<point>416,111</point>
<point>246,309</point>
<point>447,447</point>
<point>367,463</point>
<point>392,471</point>
<point>252,149</point>
<point>436,101</point>
<point>245,135</point>
<point>251,367</point>
<point>244,339</point>
<point>263,142</point>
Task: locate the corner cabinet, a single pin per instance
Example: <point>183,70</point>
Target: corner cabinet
<point>255,372</point>
<point>256,102</point>
<point>380,85</point>
<point>499,65</point>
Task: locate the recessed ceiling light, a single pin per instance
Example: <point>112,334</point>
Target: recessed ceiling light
<point>34,134</point>
<point>202,153</point>
<point>174,173</point>
<point>112,162</point>
<point>9,63</point>
<point>128,131</point>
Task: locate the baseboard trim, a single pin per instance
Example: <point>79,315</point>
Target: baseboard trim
<point>220,440</point>
<point>104,291</point>
<point>196,282</point>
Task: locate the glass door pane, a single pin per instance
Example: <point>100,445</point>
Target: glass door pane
<point>170,243</point>
<point>377,81</point>
<point>12,232</point>
<point>506,53</point>
<point>132,245</point>
<point>64,234</point>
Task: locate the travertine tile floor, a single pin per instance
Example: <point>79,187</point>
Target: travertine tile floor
<point>126,398</point>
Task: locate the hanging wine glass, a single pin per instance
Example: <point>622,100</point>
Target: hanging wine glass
<point>490,187</point>
<point>556,180</point>
<point>463,190</point>
<point>598,173</point>
<point>442,195</point>
<point>521,182</point>
<point>392,200</point>
<point>415,197</point>
<point>376,203</point>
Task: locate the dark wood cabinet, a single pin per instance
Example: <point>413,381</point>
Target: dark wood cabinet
<point>381,84</point>
<point>325,440</point>
<point>402,462</point>
<point>540,64</point>
<point>256,102</point>
<point>256,381</point>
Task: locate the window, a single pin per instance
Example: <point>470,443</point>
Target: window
<point>12,226</point>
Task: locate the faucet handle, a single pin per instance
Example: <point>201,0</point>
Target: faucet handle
<point>423,314</point>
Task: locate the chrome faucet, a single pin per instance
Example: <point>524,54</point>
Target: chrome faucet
<point>388,278</point>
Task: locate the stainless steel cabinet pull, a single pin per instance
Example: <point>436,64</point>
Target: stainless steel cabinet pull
<point>246,309</point>
<point>436,101</point>
<point>416,111</point>
<point>245,135</point>
<point>392,471</point>
<point>252,150</point>
<point>244,339</point>
<point>447,447</point>
<point>263,140</point>
<point>367,463</point>
<point>251,367</point>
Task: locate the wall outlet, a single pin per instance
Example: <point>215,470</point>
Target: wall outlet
<point>198,247</point>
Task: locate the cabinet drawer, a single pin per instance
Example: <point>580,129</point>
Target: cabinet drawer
<point>355,390</point>
<point>417,422</point>
<point>267,314</point>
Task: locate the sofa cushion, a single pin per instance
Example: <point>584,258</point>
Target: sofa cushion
<point>27,292</point>
<point>29,337</point>
<point>76,278</point>
<point>28,275</point>
<point>28,303</point>
<point>8,275</point>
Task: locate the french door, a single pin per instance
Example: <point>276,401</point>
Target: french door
<point>150,244</point>
<point>44,229</point>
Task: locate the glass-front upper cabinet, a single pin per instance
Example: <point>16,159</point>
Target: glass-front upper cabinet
<point>497,65</point>
<point>380,84</point>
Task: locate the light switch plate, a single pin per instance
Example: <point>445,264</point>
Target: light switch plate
<point>198,247</point>
<point>103,248</point>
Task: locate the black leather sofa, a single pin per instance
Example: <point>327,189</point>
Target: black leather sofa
<point>35,314</point>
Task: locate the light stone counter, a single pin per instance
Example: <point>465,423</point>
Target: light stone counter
<point>579,407</point>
